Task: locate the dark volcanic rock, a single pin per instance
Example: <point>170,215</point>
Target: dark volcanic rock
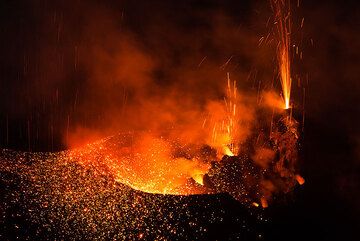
<point>236,175</point>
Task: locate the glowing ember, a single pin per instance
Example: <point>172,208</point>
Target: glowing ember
<point>300,179</point>
<point>255,204</point>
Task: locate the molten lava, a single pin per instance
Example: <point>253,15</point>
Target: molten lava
<point>145,162</point>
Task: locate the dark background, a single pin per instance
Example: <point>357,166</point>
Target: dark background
<point>40,85</point>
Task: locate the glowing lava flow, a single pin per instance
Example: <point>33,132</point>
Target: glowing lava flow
<point>281,10</point>
<point>145,162</point>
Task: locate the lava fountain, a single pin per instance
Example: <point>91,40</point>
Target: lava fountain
<point>282,13</point>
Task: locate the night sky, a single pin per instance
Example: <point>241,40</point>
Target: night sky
<point>60,84</point>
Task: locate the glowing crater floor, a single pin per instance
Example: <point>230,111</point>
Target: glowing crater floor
<point>46,197</point>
